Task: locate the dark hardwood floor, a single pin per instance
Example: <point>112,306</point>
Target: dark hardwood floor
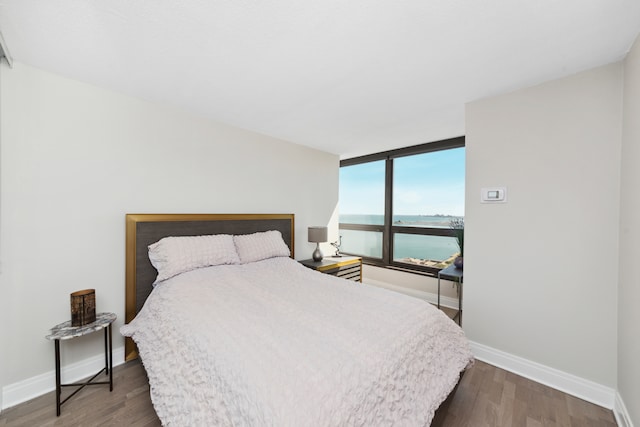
<point>487,396</point>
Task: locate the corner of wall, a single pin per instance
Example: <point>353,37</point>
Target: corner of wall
<point>623,419</point>
<point>628,347</point>
<point>2,300</point>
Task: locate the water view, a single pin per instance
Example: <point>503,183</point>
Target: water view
<point>436,251</point>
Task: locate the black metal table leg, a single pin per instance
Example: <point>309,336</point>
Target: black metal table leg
<point>106,354</point>
<point>58,382</point>
<point>460,303</point>
<point>110,360</point>
<point>438,290</point>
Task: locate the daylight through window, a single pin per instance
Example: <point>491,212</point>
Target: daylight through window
<point>397,207</point>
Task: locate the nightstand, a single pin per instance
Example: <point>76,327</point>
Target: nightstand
<point>455,275</point>
<point>64,331</point>
<point>347,267</point>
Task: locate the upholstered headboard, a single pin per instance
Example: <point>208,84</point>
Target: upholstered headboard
<point>145,229</point>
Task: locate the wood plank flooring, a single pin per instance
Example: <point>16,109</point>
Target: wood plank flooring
<point>487,396</point>
<point>128,405</point>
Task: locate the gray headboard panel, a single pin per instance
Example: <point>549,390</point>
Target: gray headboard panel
<point>145,229</point>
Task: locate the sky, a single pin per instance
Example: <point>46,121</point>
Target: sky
<point>424,184</point>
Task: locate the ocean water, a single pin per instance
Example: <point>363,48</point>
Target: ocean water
<point>368,243</point>
<point>437,221</point>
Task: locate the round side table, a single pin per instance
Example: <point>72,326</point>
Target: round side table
<point>64,331</point>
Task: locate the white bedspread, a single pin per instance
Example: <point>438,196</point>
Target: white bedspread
<point>274,343</point>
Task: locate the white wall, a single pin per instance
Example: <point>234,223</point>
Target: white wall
<point>629,287</point>
<point>541,270</point>
<point>76,158</point>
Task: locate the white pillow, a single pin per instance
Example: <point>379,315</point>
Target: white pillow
<point>258,246</point>
<point>175,255</point>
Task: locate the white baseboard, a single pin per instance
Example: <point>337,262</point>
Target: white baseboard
<point>30,388</point>
<point>427,296</point>
<point>576,386</point>
<point>620,411</point>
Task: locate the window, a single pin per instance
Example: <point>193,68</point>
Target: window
<point>362,193</point>
<point>396,207</point>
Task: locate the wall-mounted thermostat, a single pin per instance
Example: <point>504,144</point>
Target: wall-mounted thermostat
<point>493,195</point>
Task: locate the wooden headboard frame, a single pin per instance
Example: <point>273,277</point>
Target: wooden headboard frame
<point>145,229</point>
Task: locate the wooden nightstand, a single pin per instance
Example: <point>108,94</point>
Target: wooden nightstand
<point>347,267</point>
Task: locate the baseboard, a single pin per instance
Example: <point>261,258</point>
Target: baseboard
<point>427,296</point>
<point>620,412</point>
<point>14,394</point>
<point>563,381</point>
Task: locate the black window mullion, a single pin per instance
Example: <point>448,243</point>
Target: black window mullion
<point>387,240</point>
<point>425,231</point>
<point>362,227</point>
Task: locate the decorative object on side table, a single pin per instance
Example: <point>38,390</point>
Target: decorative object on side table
<point>457,225</point>
<point>83,307</point>
<point>337,244</point>
<point>317,235</point>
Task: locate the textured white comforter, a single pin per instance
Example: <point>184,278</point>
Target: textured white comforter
<point>273,343</point>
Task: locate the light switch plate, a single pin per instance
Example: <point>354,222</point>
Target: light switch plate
<point>493,195</point>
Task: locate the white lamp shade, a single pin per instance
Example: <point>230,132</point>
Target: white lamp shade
<point>317,234</point>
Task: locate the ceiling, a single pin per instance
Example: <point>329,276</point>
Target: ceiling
<point>348,77</point>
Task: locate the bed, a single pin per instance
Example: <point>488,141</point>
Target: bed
<point>254,338</point>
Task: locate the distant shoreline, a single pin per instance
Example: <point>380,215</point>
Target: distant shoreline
<point>436,221</point>
<point>408,216</point>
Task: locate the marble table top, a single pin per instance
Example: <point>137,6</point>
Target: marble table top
<point>65,331</point>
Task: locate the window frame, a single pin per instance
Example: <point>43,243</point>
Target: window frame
<point>388,229</point>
